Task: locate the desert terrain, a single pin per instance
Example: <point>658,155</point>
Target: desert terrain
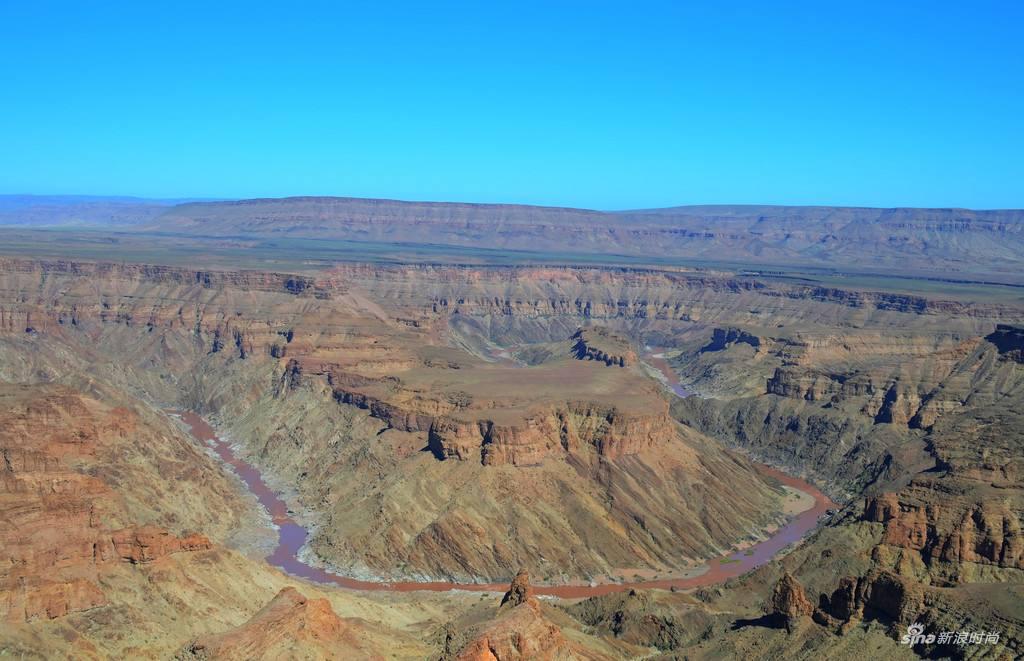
<point>342,428</point>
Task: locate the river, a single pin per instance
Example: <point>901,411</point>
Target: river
<point>292,537</point>
<point>656,358</point>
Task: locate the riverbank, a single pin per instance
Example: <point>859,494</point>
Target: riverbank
<point>657,361</point>
<point>288,554</point>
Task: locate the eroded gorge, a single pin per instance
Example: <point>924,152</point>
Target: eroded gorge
<point>457,423</point>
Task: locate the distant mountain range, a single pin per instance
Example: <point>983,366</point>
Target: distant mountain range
<point>59,210</point>
<point>904,239</point>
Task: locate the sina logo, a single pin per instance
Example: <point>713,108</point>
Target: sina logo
<point>915,635</point>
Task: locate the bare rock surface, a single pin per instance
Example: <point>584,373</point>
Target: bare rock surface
<point>289,625</point>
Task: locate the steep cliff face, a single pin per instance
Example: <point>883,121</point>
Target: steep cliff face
<point>857,404</point>
<point>567,429</point>
<point>596,343</point>
<point>954,532</point>
<point>286,316</point>
<point>654,295</point>
<point>723,338</point>
<point>880,595</point>
<point>1009,341</point>
<point>962,522</point>
<point>501,415</point>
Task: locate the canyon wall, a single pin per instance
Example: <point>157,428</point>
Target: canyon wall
<point>377,399</point>
<point>518,459</point>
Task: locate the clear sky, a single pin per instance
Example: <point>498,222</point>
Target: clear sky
<point>592,104</point>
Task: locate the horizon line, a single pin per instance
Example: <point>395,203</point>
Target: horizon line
<point>183,200</point>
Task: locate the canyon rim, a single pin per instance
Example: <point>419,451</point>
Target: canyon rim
<point>349,457</point>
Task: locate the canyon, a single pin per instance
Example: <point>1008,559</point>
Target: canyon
<point>436,423</point>
<point>287,555</point>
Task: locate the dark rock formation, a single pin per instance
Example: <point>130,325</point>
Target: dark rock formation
<point>723,338</point>
<point>602,345</point>
<point>1009,340</point>
<point>879,595</point>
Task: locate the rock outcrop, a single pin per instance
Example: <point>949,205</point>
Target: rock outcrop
<point>521,634</point>
<point>788,602</point>
<point>602,345</point>
<point>520,631</point>
<point>289,625</point>
<point>1009,341</point>
<point>519,591</point>
<point>953,532</point>
<point>723,338</point>
<point>879,595</point>
<point>146,544</point>
<point>576,427</point>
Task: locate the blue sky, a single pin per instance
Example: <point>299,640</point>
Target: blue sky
<point>592,104</point>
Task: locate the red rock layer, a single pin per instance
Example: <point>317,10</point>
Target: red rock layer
<point>568,428</point>
<point>54,541</point>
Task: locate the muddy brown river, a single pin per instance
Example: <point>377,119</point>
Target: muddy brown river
<point>292,537</point>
